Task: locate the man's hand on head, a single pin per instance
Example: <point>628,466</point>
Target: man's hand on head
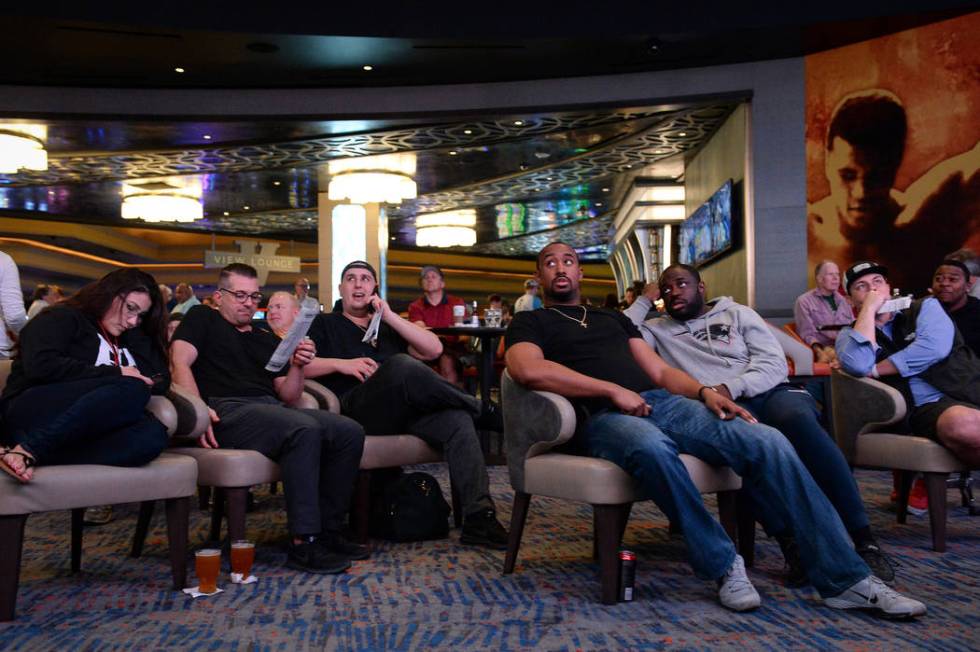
<point>652,292</point>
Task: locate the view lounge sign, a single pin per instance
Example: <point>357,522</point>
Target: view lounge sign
<point>264,260</point>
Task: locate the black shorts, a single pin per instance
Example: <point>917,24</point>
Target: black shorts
<point>924,418</point>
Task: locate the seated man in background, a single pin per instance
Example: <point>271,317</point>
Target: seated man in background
<point>185,298</point>
<point>281,312</point>
<point>728,347</point>
<point>919,352</point>
<point>434,309</point>
<point>217,355</point>
<point>385,386</point>
<point>951,285</point>
<point>643,413</point>
<point>530,299</point>
<point>820,307</point>
<point>972,261</point>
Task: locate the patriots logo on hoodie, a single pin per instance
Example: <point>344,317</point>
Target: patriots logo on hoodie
<point>718,332</point>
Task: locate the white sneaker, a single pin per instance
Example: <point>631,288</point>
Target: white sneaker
<point>872,593</point>
<point>735,591</point>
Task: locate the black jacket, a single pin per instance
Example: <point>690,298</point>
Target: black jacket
<point>62,344</point>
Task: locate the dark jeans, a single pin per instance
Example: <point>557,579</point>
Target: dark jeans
<point>405,395</point>
<point>90,421</point>
<point>793,412</point>
<point>647,448</point>
<point>318,455</point>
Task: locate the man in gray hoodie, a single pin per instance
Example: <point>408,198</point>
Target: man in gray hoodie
<point>728,347</point>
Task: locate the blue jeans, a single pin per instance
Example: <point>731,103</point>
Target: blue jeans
<point>793,412</point>
<point>647,448</point>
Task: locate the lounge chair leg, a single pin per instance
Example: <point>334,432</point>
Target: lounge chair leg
<point>457,508</point>
<point>518,516</point>
<point>77,518</point>
<point>237,502</point>
<point>936,494</point>
<point>142,527</point>
<point>203,497</point>
<point>178,510</point>
<point>217,513</point>
<point>905,480</point>
<point>360,510</point>
<point>745,516</point>
<point>11,545</point>
<point>608,521</point>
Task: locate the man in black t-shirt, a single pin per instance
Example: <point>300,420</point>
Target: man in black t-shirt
<point>951,285</point>
<point>217,355</point>
<point>640,420</point>
<point>386,387</point>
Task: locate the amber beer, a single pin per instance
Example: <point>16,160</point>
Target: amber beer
<point>207,565</point>
<point>242,557</point>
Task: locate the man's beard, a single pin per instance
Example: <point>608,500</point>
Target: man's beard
<point>554,296</point>
<point>690,311</point>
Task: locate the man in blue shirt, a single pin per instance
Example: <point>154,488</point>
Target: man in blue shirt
<point>919,351</point>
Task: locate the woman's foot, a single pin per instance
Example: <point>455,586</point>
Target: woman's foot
<point>17,462</point>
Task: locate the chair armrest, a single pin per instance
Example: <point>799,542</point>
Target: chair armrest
<point>795,350</point>
<point>534,422</point>
<point>165,412</point>
<point>862,405</point>
<point>326,400</point>
<point>193,417</point>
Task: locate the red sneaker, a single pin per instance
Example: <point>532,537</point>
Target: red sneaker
<point>918,501</point>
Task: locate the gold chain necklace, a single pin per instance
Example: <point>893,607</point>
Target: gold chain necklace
<point>580,322</point>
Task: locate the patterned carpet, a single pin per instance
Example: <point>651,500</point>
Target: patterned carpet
<point>439,595</point>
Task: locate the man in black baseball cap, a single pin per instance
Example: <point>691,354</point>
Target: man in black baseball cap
<point>918,351</point>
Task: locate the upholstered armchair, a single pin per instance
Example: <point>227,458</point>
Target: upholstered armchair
<point>536,425</point>
<point>171,478</point>
<point>869,426</point>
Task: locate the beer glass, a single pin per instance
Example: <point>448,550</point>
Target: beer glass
<point>242,557</point>
<point>207,565</point>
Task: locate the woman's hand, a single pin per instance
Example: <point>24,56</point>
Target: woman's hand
<point>133,372</point>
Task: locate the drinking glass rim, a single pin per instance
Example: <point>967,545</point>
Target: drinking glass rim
<point>242,543</point>
<point>207,552</point>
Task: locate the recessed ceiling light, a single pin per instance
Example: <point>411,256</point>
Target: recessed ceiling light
<point>367,68</point>
<point>598,203</point>
<point>628,166</point>
<point>605,190</point>
<point>518,123</point>
<point>682,134</point>
<point>453,152</point>
<point>277,183</point>
<point>206,136</point>
<point>245,207</point>
<point>178,70</point>
<point>227,213</point>
<point>465,131</point>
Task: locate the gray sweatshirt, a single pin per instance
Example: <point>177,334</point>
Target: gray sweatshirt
<point>730,344</point>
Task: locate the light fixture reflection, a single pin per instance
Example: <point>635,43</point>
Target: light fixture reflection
<point>446,229</point>
<point>163,200</point>
<point>373,179</point>
<point>22,147</point>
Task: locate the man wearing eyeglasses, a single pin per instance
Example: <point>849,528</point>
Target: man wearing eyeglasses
<point>217,355</point>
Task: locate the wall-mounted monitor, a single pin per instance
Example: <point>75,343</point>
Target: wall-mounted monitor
<point>708,233</point>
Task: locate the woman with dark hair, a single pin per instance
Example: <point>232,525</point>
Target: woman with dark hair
<point>82,377</point>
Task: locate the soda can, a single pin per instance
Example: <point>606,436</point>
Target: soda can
<point>627,575</point>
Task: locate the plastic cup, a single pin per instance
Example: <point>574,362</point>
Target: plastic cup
<point>242,557</point>
<point>459,312</point>
<point>207,565</point>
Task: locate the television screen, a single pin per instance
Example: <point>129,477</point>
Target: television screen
<point>707,233</point>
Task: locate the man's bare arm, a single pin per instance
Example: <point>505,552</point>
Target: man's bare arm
<point>182,357</point>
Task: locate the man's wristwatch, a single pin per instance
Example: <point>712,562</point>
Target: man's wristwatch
<point>701,392</point>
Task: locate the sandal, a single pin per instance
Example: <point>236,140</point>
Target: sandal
<point>29,463</point>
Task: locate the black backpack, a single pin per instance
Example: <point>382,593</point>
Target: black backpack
<point>410,507</point>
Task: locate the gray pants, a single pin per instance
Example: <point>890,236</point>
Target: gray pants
<point>405,395</point>
<point>318,455</point>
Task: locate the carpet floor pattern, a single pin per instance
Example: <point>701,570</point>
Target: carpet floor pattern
<point>443,596</point>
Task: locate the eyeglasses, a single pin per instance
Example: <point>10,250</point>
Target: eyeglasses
<point>242,297</point>
<point>133,310</point>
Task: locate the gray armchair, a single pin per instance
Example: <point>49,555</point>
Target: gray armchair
<point>171,478</point>
<point>868,419</point>
<point>535,423</point>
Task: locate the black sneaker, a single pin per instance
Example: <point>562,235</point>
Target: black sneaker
<point>312,557</point>
<point>482,529</point>
<point>880,564</point>
<point>490,418</point>
<point>336,543</point>
<point>793,568</point>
